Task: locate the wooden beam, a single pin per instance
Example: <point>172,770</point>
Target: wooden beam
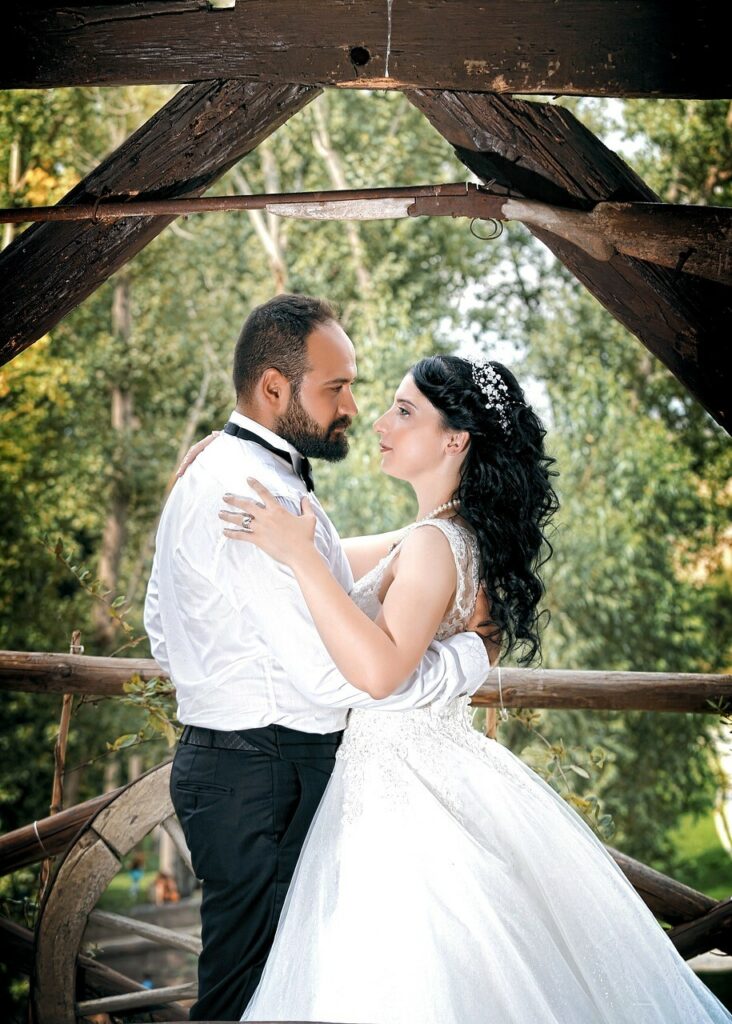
<point>181,151</point>
<point>49,836</point>
<point>712,931</point>
<point>697,239</point>
<point>40,673</point>
<point>579,47</point>
<point>671,901</point>
<point>541,152</point>
<point>604,691</point>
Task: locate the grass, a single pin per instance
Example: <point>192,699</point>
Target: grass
<point>118,897</point>
<point>703,862</point>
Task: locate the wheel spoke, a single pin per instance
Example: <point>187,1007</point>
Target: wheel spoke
<point>153,932</point>
<point>174,830</point>
<point>136,1000</point>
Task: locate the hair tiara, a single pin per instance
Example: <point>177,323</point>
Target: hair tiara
<point>494,390</point>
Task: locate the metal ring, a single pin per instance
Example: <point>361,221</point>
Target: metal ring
<point>95,214</point>
<point>246,521</point>
<point>497,229</point>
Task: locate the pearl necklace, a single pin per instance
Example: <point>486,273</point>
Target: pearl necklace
<point>452,503</point>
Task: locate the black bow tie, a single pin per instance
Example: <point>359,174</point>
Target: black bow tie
<point>248,435</point>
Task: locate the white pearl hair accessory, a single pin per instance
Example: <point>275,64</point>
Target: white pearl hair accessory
<point>495,390</point>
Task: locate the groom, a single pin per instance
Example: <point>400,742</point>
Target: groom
<point>262,704</point>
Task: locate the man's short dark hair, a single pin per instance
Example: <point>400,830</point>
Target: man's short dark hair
<point>274,335</point>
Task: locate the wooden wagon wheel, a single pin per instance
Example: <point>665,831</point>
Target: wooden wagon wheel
<point>88,867</point>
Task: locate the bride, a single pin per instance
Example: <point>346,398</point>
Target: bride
<point>442,881</point>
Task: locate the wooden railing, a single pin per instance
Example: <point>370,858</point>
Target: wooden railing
<point>698,923</point>
<point>536,688</point>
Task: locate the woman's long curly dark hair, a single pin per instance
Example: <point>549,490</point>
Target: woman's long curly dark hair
<point>505,492</point>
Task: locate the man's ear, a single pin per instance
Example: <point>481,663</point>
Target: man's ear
<point>274,390</point>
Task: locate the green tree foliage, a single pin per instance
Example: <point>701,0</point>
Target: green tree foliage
<point>640,578</point>
<point>637,580</point>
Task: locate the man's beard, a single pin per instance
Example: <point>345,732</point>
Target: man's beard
<point>303,433</point>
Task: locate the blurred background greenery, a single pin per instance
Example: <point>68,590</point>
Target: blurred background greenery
<point>94,418</point>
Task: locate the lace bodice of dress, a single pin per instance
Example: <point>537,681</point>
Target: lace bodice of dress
<point>465,550</point>
<point>379,743</point>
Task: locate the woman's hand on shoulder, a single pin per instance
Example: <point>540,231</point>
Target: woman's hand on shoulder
<point>194,451</point>
<point>268,526</point>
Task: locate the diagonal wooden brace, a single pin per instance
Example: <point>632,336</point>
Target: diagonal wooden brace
<point>542,152</point>
<point>181,151</point>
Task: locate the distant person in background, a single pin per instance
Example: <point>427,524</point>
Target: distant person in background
<point>165,889</point>
<point>137,871</point>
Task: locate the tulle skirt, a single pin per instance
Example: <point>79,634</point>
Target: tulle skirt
<point>443,882</point>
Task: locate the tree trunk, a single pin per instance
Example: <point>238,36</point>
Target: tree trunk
<point>115,527</point>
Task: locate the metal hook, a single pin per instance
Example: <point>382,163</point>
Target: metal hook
<point>95,217</point>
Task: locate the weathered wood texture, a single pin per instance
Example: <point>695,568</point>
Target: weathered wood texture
<point>92,977</point>
<point>585,47</point>
<point>537,688</point>
<point>697,239</point>
<point>146,930</point>
<point>181,151</point>
<point>605,691</point>
<point>82,877</point>
<point>701,922</point>
<point>71,673</point>
<point>713,931</point>
<point>671,901</point>
<point>49,836</point>
<point>542,152</point>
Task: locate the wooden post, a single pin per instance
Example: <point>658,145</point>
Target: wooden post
<point>59,754</point>
<point>59,758</point>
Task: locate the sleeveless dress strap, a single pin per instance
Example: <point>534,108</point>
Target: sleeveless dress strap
<point>465,552</point>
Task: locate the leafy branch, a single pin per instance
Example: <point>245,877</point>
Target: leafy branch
<point>554,761</point>
<point>96,589</point>
<point>156,698</point>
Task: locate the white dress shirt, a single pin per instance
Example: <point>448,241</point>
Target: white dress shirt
<point>230,625</point>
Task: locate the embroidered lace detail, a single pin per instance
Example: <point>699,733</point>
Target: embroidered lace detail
<point>467,560</point>
<point>381,748</point>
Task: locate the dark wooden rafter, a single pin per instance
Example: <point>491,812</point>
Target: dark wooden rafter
<point>181,151</point>
<point>541,152</point>
<point>581,47</point>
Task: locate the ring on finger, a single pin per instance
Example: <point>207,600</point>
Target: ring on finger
<point>246,521</point>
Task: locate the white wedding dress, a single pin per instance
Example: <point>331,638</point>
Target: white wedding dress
<point>443,882</point>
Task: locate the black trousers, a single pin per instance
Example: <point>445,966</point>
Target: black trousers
<point>245,814</point>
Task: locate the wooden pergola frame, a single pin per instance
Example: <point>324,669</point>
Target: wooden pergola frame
<point>457,62</point>
<point>247,69</point>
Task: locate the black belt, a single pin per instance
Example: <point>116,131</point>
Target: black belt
<point>199,737</point>
<point>275,740</point>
